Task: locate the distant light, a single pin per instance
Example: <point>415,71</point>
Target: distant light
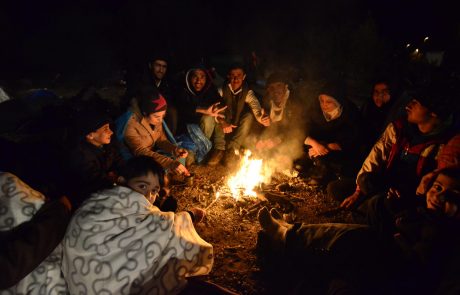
<point>407,45</point>
<point>416,50</point>
<point>426,39</point>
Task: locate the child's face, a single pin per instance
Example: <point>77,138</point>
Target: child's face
<point>101,136</point>
<point>443,195</point>
<point>148,185</point>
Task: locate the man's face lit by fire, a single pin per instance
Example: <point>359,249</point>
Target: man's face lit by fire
<point>159,68</point>
<point>381,94</point>
<point>417,113</point>
<point>198,80</point>
<point>276,92</point>
<point>156,118</point>
<point>236,78</point>
<point>327,103</point>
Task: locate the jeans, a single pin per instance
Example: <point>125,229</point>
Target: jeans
<point>210,127</point>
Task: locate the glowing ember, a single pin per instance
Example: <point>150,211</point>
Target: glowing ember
<point>250,175</point>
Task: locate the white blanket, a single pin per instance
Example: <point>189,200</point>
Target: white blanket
<point>19,203</point>
<point>119,243</point>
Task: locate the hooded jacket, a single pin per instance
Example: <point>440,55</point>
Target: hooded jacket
<point>188,100</point>
<point>344,130</point>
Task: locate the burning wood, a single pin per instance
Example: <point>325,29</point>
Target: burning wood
<point>249,176</point>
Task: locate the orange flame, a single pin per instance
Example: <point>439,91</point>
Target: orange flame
<point>251,174</point>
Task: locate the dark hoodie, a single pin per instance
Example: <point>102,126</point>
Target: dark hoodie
<point>188,100</point>
<point>344,130</point>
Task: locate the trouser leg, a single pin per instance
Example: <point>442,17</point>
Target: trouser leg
<point>210,127</point>
<point>242,132</point>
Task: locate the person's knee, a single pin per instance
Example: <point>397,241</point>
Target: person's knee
<point>207,124</point>
<point>246,123</point>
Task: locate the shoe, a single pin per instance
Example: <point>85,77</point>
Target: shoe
<point>231,159</point>
<point>216,157</point>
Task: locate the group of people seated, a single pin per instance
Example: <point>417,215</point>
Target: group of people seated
<point>120,229</point>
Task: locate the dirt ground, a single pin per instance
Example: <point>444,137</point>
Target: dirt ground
<point>232,228</point>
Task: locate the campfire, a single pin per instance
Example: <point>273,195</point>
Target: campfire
<point>250,187</point>
<point>251,175</point>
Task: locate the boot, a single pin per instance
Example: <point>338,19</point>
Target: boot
<point>231,160</point>
<point>216,157</point>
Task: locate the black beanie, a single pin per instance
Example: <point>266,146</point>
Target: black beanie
<point>436,96</point>
<point>90,121</point>
<point>151,101</point>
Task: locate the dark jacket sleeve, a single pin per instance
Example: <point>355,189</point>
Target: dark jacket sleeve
<point>23,248</point>
<point>87,170</point>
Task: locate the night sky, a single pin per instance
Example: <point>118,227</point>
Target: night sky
<point>41,37</point>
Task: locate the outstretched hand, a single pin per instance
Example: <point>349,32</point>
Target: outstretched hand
<point>180,169</point>
<point>350,201</point>
<point>227,127</point>
<point>214,110</point>
<point>264,119</point>
<point>318,150</point>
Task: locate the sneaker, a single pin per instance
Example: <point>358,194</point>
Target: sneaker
<point>216,157</point>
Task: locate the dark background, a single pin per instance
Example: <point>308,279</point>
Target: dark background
<point>356,39</point>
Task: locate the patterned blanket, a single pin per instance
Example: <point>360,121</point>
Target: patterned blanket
<point>119,243</point>
<point>18,204</point>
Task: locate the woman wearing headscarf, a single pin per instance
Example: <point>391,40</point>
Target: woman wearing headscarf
<point>332,136</point>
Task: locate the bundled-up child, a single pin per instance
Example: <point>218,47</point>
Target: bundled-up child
<point>119,242</point>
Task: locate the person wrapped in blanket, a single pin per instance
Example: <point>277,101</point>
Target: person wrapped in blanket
<point>119,243</point>
<point>31,230</point>
<point>420,255</point>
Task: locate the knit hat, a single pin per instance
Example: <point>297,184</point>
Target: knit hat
<point>90,121</point>
<point>435,95</point>
<point>150,101</point>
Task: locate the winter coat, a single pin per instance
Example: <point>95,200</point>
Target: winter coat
<point>187,100</point>
<point>90,167</point>
<point>141,139</point>
<point>344,130</point>
<point>403,155</point>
